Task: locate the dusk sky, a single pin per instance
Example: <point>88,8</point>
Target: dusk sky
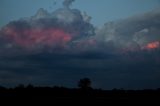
<point>115,43</point>
<point>101,11</point>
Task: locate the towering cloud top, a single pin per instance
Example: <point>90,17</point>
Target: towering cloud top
<point>67,3</point>
<point>48,30</point>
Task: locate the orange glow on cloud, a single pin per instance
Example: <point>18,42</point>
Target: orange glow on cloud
<point>51,37</point>
<point>153,45</point>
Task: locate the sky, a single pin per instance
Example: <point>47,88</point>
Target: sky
<point>101,11</point>
<point>114,43</point>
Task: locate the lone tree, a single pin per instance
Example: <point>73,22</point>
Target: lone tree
<point>84,83</point>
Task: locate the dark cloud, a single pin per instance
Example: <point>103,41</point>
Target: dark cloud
<point>134,70</point>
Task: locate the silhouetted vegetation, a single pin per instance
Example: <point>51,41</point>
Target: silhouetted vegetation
<point>84,95</point>
<point>84,83</point>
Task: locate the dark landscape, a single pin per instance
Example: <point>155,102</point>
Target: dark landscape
<point>82,95</point>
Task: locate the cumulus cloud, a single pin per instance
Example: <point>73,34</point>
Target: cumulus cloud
<point>68,29</point>
<point>133,33</point>
<point>67,3</point>
<point>56,30</point>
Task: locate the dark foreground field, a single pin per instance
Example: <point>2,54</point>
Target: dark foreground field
<point>59,95</point>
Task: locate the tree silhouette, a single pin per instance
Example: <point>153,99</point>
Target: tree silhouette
<point>84,83</point>
<point>30,86</point>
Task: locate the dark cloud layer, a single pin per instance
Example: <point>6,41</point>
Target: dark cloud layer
<point>135,70</point>
<point>61,47</point>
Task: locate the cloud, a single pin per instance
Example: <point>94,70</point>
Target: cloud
<point>131,71</point>
<point>56,30</point>
<point>133,33</point>
<point>67,3</point>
